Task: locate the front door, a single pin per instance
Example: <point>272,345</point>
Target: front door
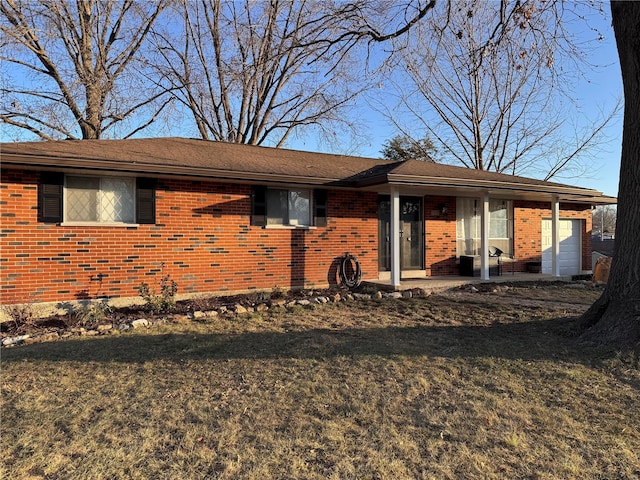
<point>411,233</point>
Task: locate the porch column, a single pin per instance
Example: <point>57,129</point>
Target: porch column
<point>395,238</point>
<point>484,238</point>
<point>555,236</point>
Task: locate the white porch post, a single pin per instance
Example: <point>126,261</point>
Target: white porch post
<point>484,238</point>
<point>555,236</point>
<point>395,238</point>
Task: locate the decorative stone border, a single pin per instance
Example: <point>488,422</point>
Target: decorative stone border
<point>234,310</point>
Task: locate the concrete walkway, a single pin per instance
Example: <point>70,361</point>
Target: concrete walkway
<point>439,284</point>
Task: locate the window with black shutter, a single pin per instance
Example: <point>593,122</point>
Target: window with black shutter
<point>95,199</point>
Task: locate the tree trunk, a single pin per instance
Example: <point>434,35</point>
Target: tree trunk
<point>615,317</point>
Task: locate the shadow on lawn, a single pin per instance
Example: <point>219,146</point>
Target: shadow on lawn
<point>535,340</point>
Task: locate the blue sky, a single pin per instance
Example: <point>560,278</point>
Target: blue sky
<point>596,93</point>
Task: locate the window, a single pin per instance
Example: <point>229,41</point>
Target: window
<point>96,199</point>
<point>85,199</point>
<point>99,199</point>
<point>288,207</point>
<point>468,225</point>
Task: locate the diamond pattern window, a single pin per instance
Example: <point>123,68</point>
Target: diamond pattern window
<point>99,199</point>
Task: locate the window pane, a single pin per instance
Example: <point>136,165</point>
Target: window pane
<point>81,203</point>
<point>299,207</point>
<point>277,207</point>
<point>498,219</point>
<point>116,200</point>
<point>467,226</point>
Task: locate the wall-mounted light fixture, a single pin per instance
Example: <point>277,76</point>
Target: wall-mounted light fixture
<point>443,209</point>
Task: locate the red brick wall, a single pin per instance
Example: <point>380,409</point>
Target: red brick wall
<point>528,230</point>
<point>440,235</point>
<point>202,238</point>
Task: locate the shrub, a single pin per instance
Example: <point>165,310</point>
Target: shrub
<point>91,313</point>
<point>23,314</point>
<point>160,302</point>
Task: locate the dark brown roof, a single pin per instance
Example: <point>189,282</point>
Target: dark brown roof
<point>196,155</point>
<point>202,158</point>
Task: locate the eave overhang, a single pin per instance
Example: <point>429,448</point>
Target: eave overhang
<point>167,171</point>
<point>380,178</point>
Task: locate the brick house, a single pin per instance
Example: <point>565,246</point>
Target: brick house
<point>96,218</point>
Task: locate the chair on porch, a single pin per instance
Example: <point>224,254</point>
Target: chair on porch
<point>495,252</point>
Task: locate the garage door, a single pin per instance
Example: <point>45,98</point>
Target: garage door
<point>570,246</point>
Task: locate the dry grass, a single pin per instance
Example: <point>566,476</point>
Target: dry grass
<point>458,386</point>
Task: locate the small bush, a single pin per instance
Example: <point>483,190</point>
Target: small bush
<point>160,302</point>
<point>277,293</point>
<point>23,314</point>
<point>91,313</point>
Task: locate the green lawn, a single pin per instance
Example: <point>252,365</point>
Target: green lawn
<point>452,386</point>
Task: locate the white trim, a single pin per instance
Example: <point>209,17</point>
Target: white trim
<point>289,227</point>
<point>394,230</point>
<point>484,238</point>
<point>555,237</point>
<point>98,224</point>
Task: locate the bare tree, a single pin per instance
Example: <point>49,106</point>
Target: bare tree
<point>604,220</point>
<point>499,88</point>
<point>615,317</point>
<point>69,65</point>
<point>255,72</point>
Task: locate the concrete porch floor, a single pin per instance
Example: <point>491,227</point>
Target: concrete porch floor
<point>439,284</point>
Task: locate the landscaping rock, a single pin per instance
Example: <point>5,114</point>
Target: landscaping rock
<point>197,315</point>
<point>407,294</point>
<point>104,328</point>
<point>362,296</point>
<point>336,298</point>
<point>278,302</point>
<point>124,326</point>
<point>393,295</point>
<point>378,295</point>
<point>14,340</point>
<point>48,337</point>
<point>262,307</point>
<point>141,322</point>
<point>211,313</point>
<point>239,309</point>
<point>304,302</point>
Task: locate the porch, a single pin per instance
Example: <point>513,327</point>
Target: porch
<point>442,283</point>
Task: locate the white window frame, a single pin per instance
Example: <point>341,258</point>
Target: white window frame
<point>66,201</point>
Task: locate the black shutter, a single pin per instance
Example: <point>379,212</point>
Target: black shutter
<point>50,191</point>
<point>145,200</point>
<point>259,206</point>
<point>320,210</point>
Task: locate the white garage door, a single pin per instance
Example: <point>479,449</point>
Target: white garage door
<point>570,247</point>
